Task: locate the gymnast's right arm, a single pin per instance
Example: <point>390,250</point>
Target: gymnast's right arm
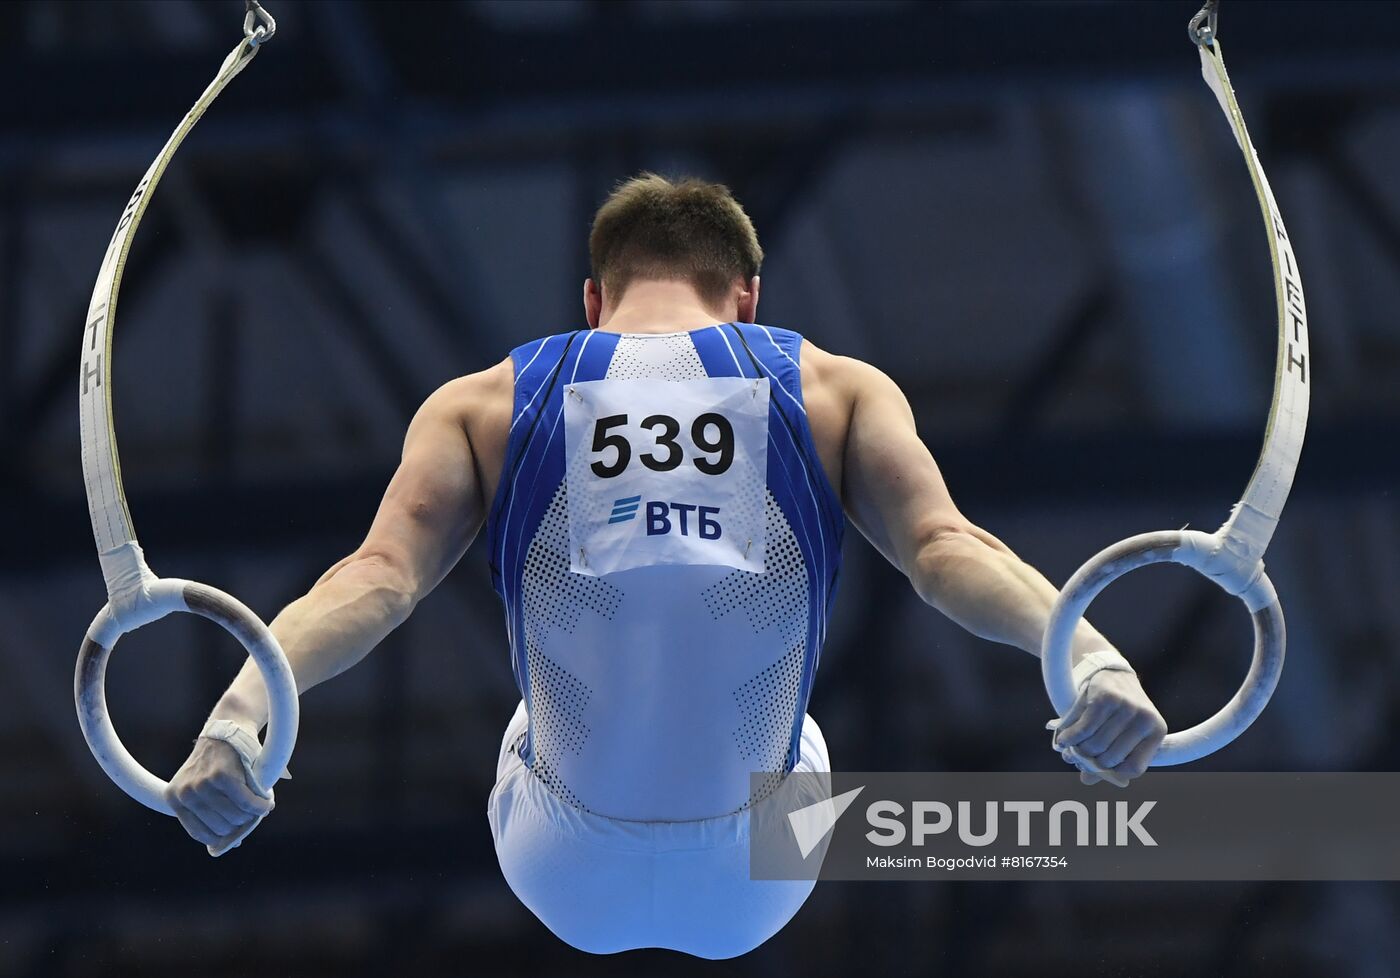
<point>430,514</point>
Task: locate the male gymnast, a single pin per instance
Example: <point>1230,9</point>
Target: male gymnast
<point>664,495</point>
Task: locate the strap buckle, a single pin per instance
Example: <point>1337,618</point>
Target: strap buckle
<point>1204,25</point>
<point>256,32</point>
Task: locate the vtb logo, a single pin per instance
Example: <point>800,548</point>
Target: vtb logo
<point>624,509</point>
<point>686,519</point>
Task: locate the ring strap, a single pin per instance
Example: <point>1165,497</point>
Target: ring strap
<point>1245,536</point>
<point>123,567</point>
<point>135,595</point>
<point>1233,555</point>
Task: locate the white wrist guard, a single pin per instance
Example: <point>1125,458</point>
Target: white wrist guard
<point>1095,662</point>
<point>245,744</point>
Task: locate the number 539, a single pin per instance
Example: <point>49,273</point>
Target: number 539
<point>711,433</point>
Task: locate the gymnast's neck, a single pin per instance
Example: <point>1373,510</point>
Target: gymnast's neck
<point>660,306</point>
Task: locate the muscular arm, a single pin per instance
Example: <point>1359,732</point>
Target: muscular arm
<point>896,496</point>
<point>430,513</point>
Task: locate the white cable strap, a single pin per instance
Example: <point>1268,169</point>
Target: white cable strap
<point>129,583</point>
<point>1221,557</point>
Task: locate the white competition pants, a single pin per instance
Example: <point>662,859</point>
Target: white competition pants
<point>606,885</point>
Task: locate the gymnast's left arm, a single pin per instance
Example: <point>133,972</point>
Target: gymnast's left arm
<point>894,493</point>
<point>430,513</point>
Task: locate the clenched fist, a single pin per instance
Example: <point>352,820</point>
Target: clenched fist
<point>212,799</point>
<point>1112,731</point>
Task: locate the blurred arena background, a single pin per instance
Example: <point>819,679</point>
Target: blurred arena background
<point>1030,214</point>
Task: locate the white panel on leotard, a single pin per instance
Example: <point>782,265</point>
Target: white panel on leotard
<point>654,693</point>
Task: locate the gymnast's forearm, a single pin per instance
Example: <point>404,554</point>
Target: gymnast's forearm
<point>975,580</point>
<point>331,628</point>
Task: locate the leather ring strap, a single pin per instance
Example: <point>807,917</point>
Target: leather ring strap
<point>135,595</point>
<point>1233,555</point>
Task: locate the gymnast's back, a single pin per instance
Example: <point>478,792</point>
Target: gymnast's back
<point>666,544</point>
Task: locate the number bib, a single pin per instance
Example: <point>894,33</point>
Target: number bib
<point>666,472</point>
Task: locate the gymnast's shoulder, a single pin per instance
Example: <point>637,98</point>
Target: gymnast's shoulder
<point>479,402</point>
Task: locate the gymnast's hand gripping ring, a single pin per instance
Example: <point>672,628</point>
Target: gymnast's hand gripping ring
<point>136,596</point>
<point>158,598</point>
<point>1233,555</point>
<point>1180,546</point>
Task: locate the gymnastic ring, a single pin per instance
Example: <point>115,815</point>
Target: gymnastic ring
<point>1152,548</point>
<point>160,598</point>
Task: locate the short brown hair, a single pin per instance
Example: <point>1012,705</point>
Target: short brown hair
<point>689,230</point>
